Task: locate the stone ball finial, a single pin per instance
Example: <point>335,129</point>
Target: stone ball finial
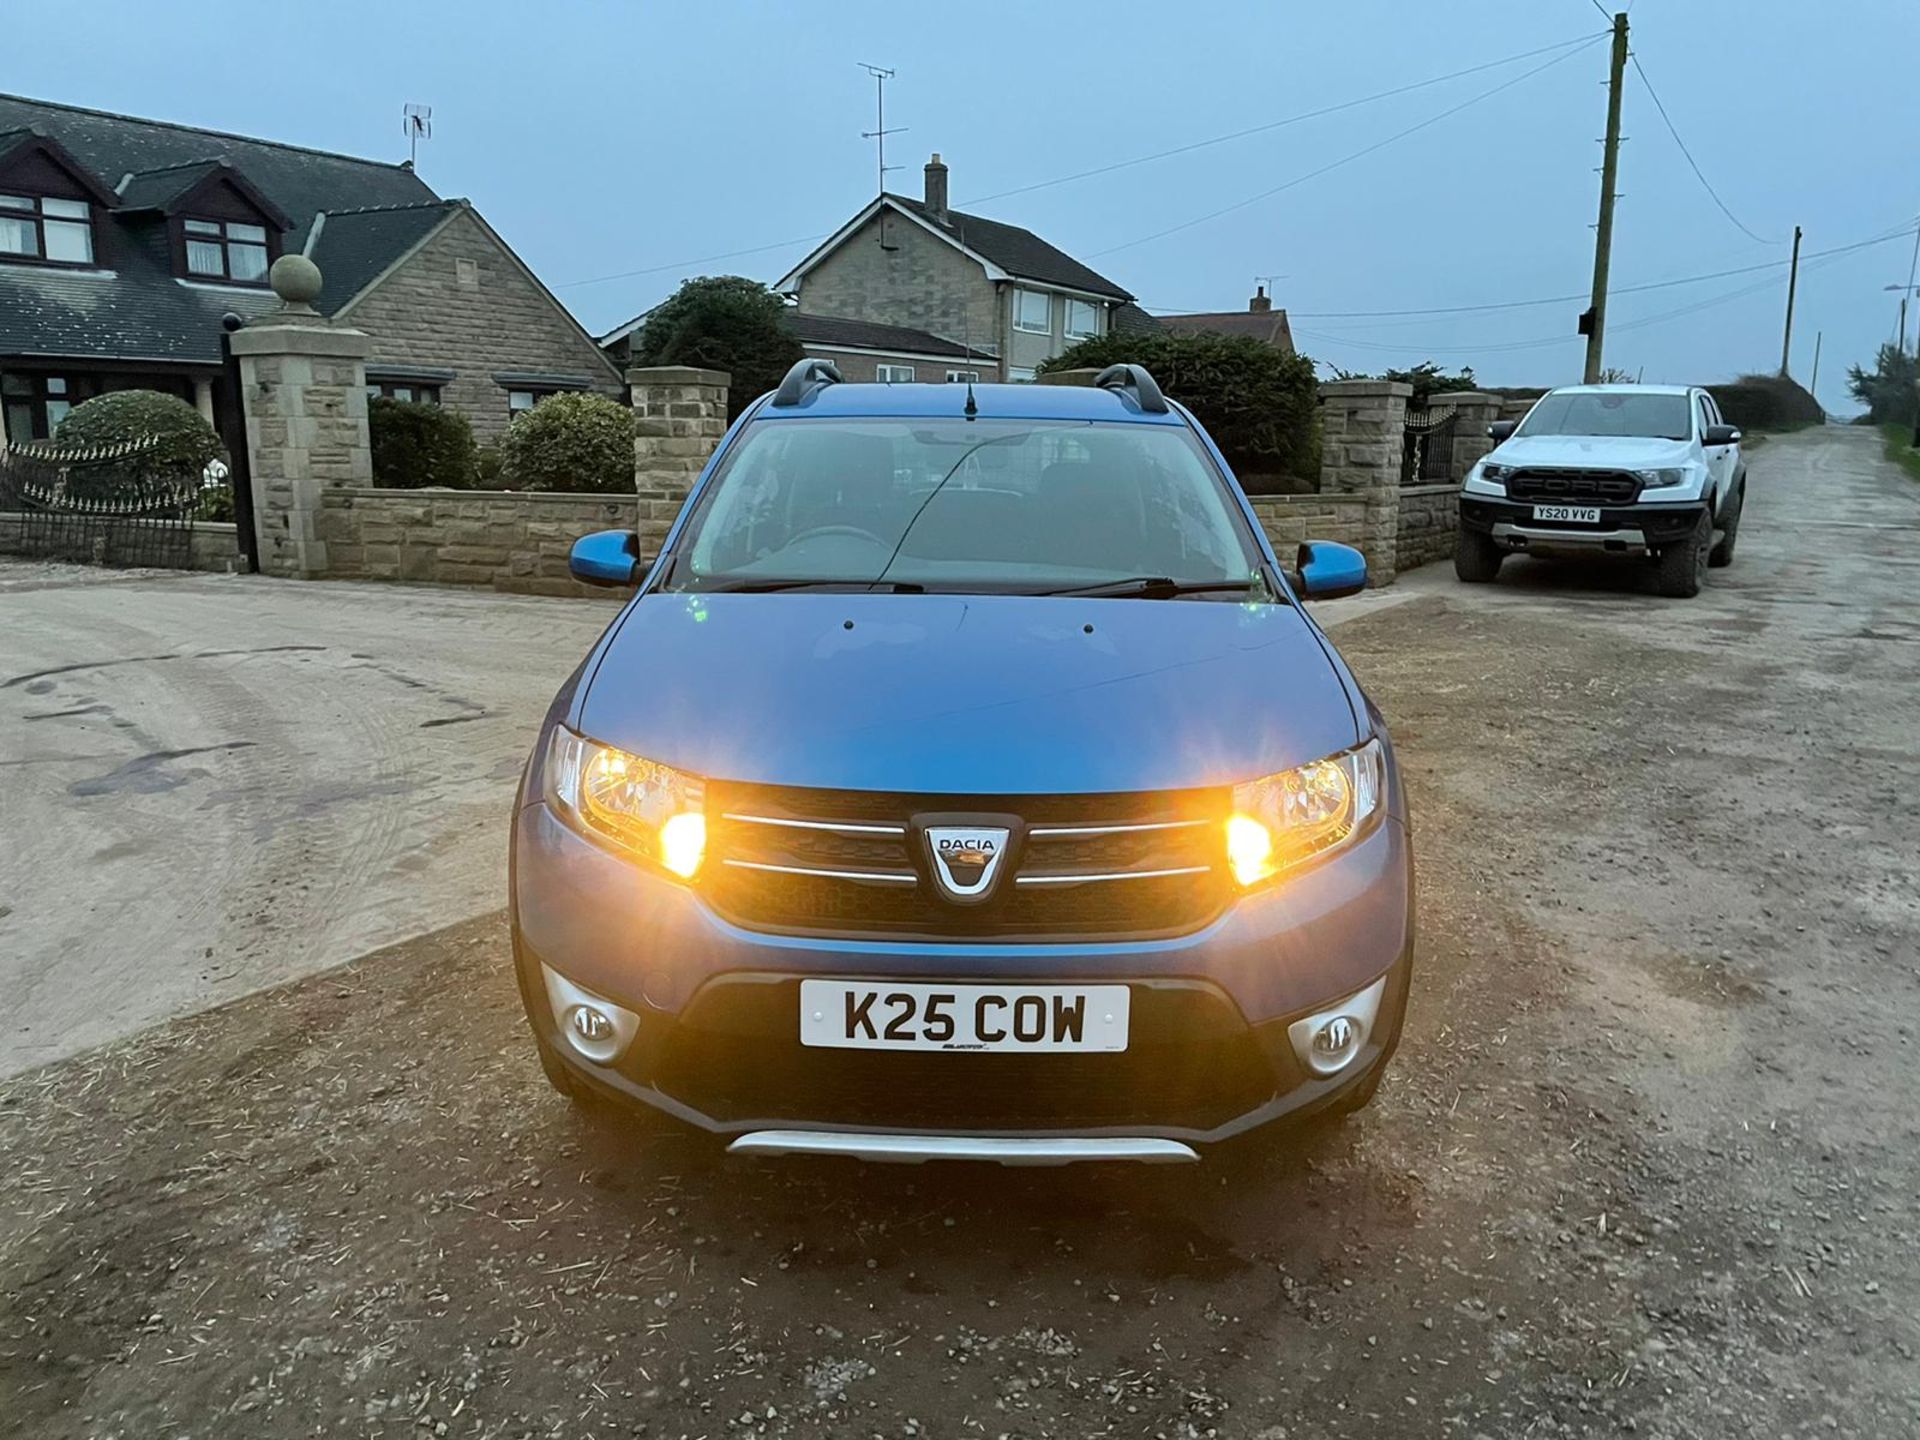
<point>296,280</point>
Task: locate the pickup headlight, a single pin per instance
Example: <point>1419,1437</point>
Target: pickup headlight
<point>1493,472</point>
<point>1657,479</point>
<point>1280,821</point>
<point>648,809</point>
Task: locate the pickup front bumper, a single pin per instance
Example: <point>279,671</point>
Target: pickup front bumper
<point>1620,529</point>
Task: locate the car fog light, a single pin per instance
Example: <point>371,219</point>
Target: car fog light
<point>593,1028</point>
<point>1333,1039</point>
<point>590,1025</point>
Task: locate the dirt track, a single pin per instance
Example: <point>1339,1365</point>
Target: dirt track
<point>1649,1159</point>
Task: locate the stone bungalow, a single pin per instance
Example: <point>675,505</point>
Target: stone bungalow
<point>124,241</point>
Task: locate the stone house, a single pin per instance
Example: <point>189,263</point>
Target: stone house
<point>1259,321</point>
<point>862,349</point>
<point>969,280</point>
<point>124,241</point>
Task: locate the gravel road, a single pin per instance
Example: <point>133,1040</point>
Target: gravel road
<point>1649,1161</point>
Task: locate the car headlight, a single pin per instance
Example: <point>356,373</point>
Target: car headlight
<point>1656,479</point>
<point>1489,471</point>
<point>1279,821</point>
<point>649,809</point>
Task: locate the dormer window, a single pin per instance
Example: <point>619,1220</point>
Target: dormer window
<point>226,250</point>
<point>43,227</point>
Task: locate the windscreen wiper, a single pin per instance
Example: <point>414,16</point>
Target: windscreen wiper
<point>1155,587</point>
<point>762,587</point>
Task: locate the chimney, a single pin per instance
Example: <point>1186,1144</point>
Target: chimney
<point>936,193</point>
<point>1259,304</point>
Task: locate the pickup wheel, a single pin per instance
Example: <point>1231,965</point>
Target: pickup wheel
<point>1681,568</point>
<point>1722,553</point>
<point>1476,559</point>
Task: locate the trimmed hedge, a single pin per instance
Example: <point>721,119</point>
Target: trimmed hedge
<point>1258,403</point>
<point>577,441</point>
<point>186,443</point>
<point>416,445</point>
<point>1766,402</point>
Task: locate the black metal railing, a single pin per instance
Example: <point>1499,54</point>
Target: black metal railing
<point>117,504</point>
<point>1426,456</point>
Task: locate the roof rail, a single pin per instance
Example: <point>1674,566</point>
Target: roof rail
<point>1135,381</point>
<point>804,378</point>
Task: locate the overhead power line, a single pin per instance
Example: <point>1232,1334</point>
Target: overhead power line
<point>1567,46</point>
<point>1346,159</point>
<point>1693,164</point>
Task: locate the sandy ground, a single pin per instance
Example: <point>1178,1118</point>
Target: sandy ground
<point>214,783</point>
<point>1649,1160</point>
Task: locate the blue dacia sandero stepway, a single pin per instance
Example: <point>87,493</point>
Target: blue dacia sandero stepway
<point>965,780</point>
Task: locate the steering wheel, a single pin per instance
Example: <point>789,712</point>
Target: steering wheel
<point>819,530</point>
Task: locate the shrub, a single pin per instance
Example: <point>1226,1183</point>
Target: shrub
<point>1258,403</point>
<point>722,322</point>
<point>1427,380</point>
<point>1887,390</point>
<point>1766,402</point>
<point>416,445</point>
<point>490,469</point>
<point>575,441</point>
<point>184,443</point>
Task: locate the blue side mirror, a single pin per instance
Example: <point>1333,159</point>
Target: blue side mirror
<point>606,557</point>
<point>1326,571</point>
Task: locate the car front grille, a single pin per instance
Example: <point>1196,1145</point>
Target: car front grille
<point>1574,487</point>
<point>852,864</point>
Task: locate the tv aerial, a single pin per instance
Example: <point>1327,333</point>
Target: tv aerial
<point>417,122</point>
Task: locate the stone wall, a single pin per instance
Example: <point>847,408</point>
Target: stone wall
<point>502,540</point>
<point>914,279</point>
<point>1429,516</point>
<point>464,303</point>
<point>1290,519</point>
<point>1363,429</point>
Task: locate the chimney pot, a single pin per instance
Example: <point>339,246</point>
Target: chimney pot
<point>1260,304</point>
<point>936,188</point>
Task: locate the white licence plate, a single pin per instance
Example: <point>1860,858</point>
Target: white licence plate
<point>1576,514</point>
<point>878,1015</point>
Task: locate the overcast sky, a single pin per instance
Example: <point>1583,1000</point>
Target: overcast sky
<point>611,138</point>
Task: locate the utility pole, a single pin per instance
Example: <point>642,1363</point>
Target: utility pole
<point>1595,320</point>
<point>1793,280</point>
<point>880,132</point>
<point>1813,386</point>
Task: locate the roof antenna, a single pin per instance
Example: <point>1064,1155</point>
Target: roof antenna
<point>966,343</point>
<point>416,121</point>
<point>880,131</point>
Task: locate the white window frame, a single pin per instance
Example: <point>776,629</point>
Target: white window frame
<point>957,377</point>
<point>1021,374</point>
<point>1093,319</point>
<point>1020,293</point>
<point>893,374</point>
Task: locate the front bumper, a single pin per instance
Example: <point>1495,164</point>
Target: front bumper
<point>717,1038</point>
<point>1642,529</point>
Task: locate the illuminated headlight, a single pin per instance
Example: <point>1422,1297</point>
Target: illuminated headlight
<point>1658,479</point>
<point>649,809</point>
<point>1280,821</point>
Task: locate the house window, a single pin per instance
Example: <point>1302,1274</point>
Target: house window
<point>403,390</point>
<point>972,376</point>
<point>893,374</point>
<point>519,402</point>
<point>1033,311</point>
<point>36,404</point>
<point>226,250</point>
<point>40,227</point>
<point>1020,373</point>
<point>1083,319</point>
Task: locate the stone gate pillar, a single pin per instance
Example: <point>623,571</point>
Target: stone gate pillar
<point>303,382</point>
<point>1476,410</point>
<point>1363,430</point>
<point>679,418</point>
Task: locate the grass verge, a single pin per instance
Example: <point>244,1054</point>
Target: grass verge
<point>1900,448</point>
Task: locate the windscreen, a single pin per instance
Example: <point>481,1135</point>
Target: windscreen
<point>1604,412</point>
<point>961,505</point>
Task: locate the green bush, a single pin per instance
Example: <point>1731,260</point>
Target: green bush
<point>184,443</point>
<point>1887,390</point>
<point>722,322</point>
<point>490,469</point>
<point>577,441</point>
<point>1258,403</point>
<point>1427,380</point>
<point>1766,402</point>
<point>416,445</point>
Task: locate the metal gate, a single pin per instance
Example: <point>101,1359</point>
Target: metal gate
<point>1426,456</point>
<point>101,504</point>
